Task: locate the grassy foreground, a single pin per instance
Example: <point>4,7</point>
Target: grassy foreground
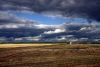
<point>75,55</point>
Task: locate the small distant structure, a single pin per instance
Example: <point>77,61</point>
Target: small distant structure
<point>73,42</point>
<point>70,43</point>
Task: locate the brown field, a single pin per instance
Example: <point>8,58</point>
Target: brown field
<point>20,45</point>
<point>48,55</point>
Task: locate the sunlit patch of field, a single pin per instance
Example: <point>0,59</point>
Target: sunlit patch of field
<point>20,45</point>
<point>62,55</point>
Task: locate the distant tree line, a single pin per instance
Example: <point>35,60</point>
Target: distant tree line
<point>49,42</point>
<point>33,42</point>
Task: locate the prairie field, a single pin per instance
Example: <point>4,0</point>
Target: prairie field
<point>49,55</point>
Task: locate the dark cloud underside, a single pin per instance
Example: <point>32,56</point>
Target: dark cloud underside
<point>71,31</point>
<point>21,29</point>
<point>89,9</point>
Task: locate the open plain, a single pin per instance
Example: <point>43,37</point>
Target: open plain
<point>49,55</point>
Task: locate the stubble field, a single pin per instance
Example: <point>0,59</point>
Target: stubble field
<point>49,55</point>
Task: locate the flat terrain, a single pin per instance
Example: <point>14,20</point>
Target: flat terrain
<point>48,55</point>
<point>20,45</point>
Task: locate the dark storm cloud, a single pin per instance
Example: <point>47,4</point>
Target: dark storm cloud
<point>20,32</point>
<point>89,9</point>
<point>63,32</point>
<point>72,32</point>
<point>13,28</point>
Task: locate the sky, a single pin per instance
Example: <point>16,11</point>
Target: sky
<point>49,20</point>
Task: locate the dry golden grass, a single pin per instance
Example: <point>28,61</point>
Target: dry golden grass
<point>20,45</point>
<point>74,55</point>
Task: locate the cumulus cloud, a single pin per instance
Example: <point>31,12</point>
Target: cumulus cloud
<point>88,9</point>
<point>55,31</point>
<point>6,17</point>
<point>62,32</point>
<point>13,28</point>
<point>36,38</point>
